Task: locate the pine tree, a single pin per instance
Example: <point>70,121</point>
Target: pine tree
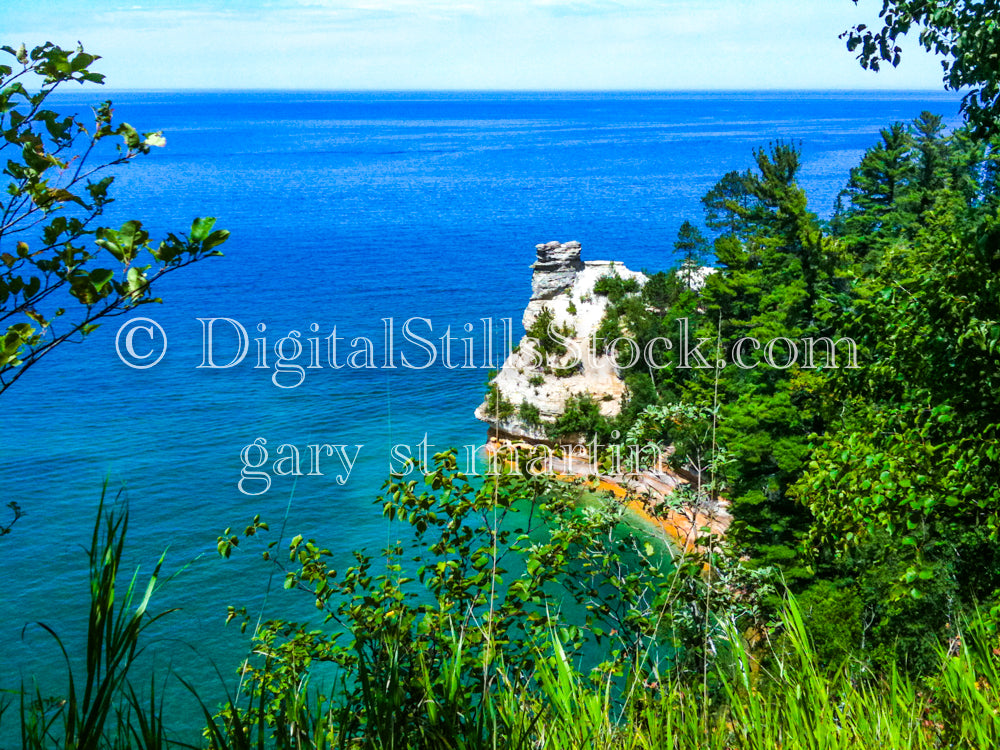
<point>774,267</point>
<point>692,248</point>
<point>726,203</point>
<point>932,162</point>
<point>876,191</point>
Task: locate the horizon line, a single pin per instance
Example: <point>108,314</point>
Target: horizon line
<point>774,90</point>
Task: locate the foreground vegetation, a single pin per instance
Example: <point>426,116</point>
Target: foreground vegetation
<point>420,673</point>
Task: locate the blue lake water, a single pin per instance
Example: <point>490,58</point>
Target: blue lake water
<point>345,209</point>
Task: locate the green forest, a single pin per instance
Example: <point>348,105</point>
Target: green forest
<point>870,491</point>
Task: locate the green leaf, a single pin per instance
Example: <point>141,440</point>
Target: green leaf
<point>200,228</point>
<point>215,239</point>
<point>101,276</point>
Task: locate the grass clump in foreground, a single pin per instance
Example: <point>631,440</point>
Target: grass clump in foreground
<point>100,707</point>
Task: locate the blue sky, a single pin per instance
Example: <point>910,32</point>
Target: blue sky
<point>467,44</point>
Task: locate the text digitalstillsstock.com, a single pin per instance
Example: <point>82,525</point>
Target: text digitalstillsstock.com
<point>262,464</point>
<point>414,344</point>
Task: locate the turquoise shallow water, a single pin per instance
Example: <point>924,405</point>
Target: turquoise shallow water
<point>346,209</point>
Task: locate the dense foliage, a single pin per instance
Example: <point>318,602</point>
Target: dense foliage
<point>439,671</point>
<point>486,579</point>
<point>876,486</point>
<point>965,33</point>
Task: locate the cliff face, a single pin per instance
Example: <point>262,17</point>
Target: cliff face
<point>562,286</point>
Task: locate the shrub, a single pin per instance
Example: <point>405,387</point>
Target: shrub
<point>497,406</point>
<point>486,590</point>
<point>541,331</point>
<point>615,288</point>
<point>609,330</point>
<point>582,416</point>
<point>529,414</point>
<point>662,290</point>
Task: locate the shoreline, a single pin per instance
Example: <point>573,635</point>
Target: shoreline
<point>644,494</point>
<point>683,531</point>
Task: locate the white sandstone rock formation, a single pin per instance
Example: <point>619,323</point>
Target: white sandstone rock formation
<point>565,285</point>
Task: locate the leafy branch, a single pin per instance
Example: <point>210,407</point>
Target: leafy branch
<point>53,256</point>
